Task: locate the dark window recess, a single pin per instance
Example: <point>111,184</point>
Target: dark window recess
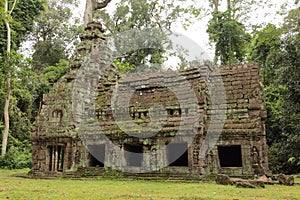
<point>177,154</point>
<point>133,154</point>
<point>57,114</point>
<point>145,114</point>
<point>133,115</point>
<point>170,112</point>
<point>97,155</point>
<point>56,161</point>
<point>230,156</point>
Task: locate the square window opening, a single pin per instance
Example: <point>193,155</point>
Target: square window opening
<point>97,155</point>
<point>177,154</point>
<point>133,154</point>
<point>230,156</point>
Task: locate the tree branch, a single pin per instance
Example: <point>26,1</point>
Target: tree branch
<point>216,4</point>
<point>13,7</point>
<point>102,4</point>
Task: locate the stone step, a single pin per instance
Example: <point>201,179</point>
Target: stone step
<point>161,176</point>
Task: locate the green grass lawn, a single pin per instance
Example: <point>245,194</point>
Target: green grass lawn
<point>13,187</point>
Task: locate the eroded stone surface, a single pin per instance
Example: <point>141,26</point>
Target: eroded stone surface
<point>286,179</point>
<point>223,179</point>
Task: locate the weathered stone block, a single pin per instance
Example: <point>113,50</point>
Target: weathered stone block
<point>286,179</point>
<point>245,184</point>
<point>223,179</point>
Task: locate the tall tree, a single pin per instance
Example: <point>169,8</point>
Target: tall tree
<point>23,82</point>
<point>54,34</point>
<point>144,15</point>
<point>18,18</point>
<point>8,80</point>
<point>263,45</point>
<point>230,38</point>
<point>289,76</point>
<point>21,22</point>
<point>266,49</point>
<point>239,8</point>
<point>226,32</point>
<point>216,5</point>
<point>277,50</point>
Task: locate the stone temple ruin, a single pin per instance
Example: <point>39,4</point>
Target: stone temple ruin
<point>61,144</point>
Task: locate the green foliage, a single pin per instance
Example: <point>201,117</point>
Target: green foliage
<point>277,163</point>
<point>277,50</point>
<point>230,38</point>
<point>265,44</point>
<point>21,98</point>
<point>289,76</point>
<point>52,73</point>
<point>123,66</point>
<point>16,158</point>
<point>54,34</point>
<point>47,53</point>
<point>274,102</point>
<point>291,24</point>
<point>145,15</point>
<point>43,82</point>
<point>18,155</point>
<point>21,22</point>
<point>13,67</point>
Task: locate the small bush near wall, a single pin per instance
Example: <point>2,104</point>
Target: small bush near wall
<point>16,158</point>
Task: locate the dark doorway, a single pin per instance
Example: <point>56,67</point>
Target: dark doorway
<point>230,156</point>
<point>97,155</point>
<point>56,161</point>
<point>177,154</point>
<point>133,154</point>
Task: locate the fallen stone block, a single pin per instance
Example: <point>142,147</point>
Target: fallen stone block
<point>266,180</point>
<point>257,183</point>
<point>245,184</point>
<point>286,179</point>
<point>223,179</point>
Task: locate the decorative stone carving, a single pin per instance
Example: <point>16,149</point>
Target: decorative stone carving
<point>77,157</point>
<point>256,161</point>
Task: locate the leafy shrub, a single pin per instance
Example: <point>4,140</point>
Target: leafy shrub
<point>16,158</point>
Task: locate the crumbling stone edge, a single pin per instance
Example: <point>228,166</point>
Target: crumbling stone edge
<point>260,182</point>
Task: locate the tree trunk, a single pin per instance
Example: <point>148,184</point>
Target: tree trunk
<point>88,13</point>
<point>228,5</point>
<point>8,81</point>
<point>90,7</point>
<point>6,116</point>
<point>216,6</point>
